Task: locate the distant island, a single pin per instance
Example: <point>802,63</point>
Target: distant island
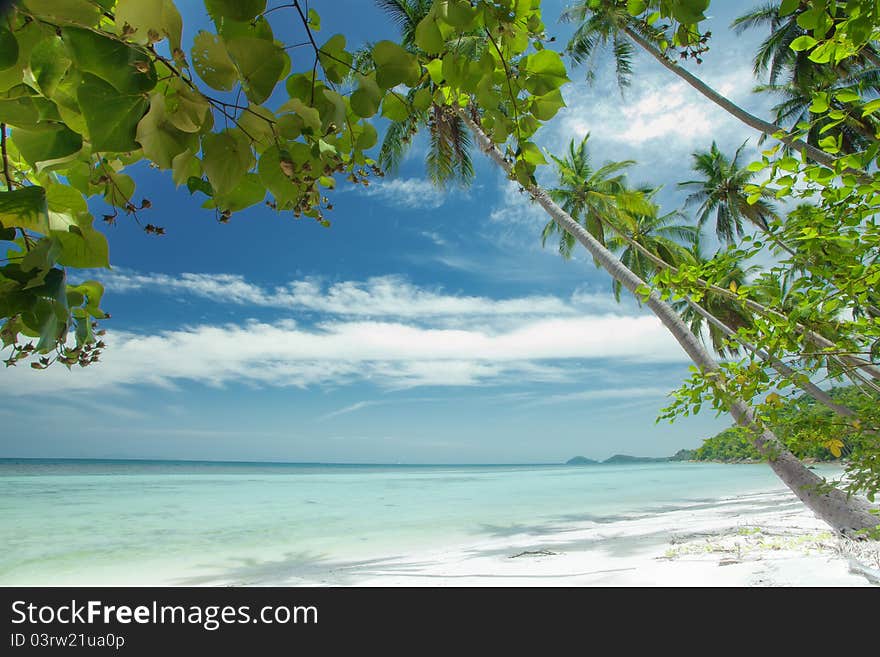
<point>681,455</point>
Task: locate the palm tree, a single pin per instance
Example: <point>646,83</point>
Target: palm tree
<point>834,506</point>
<point>448,158</point>
<point>720,192</point>
<point>775,56</point>
<point>857,132</point>
<point>795,77</point>
<point>661,234</point>
<point>607,21</point>
<point>593,196</point>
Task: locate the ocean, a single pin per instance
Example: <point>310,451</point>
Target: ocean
<point>68,522</point>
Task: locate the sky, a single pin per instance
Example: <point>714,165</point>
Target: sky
<point>423,326</point>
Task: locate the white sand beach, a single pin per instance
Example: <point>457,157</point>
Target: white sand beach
<point>753,540</point>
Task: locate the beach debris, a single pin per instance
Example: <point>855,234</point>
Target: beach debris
<point>534,553</point>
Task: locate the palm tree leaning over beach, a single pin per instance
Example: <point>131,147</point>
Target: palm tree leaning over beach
<point>595,197</point>
<point>794,77</point>
<point>835,507</point>
<point>606,22</point>
<point>664,235</point>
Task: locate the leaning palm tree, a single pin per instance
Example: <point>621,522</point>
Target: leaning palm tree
<point>719,193</point>
<point>839,510</point>
<point>448,158</point>
<point>607,22</point>
<point>857,132</point>
<point>595,197</point>
<point>795,77</point>
<point>663,235</point>
<point>777,60</point>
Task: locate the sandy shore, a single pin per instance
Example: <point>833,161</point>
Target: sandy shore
<point>766,539</point>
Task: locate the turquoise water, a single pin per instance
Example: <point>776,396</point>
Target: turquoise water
<point>97,522</point>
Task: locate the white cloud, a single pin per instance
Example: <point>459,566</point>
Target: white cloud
<point>436,238</point>
<point>383,296</point>
<point>603,394</point>
<point>387,354</point>
<point>407,192</point>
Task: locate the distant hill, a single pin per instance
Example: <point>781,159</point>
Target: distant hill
<point>622,458</point>
<point>581,460</point>
<point>626,458</point>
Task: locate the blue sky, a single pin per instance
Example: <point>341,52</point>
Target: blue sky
<point>422,327</point>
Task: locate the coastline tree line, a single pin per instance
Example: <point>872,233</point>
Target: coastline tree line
<point>91,87</point>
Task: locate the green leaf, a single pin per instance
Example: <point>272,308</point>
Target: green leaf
<point>227,157</point>
<point>80,12</point>
<point>804,42</point>
<point>335,60</point>
<point>394,65</point>
<point>457,13</point>
<point>237,10</point>
<point>636,7</point>
<point>150,20</point>
<point>545,107</point>
<point>128,69</point>
<point>435,70</point>
<point>819,104</point>
<point>119,189</point>
<point>22,108</point>
<point>93,291</point>
<point>8,48</point>
<point>870,108</point>
<point>185,166</point>
<point>112,117</point>
<point>314,21</point>
<point>187,109</point>
<point>257,122</point>
<point>260,64</point>
<point>311,118</point>
<point>25,208</point>
<point>49,62</point>
<point>395,108</point>
<point>83,246</point>
<point>161,140</point>
<point>249,191</point>
<point>788,7</point>
<point>212,62</point>
<point>532,154</point>
<point>422,99</point>
<point>428,36</point>
<point>545,71</point>
<point>195,184</point>
<point>367,138</point>
<point>366,99</point>
<point>47,142</point>
<point>272,176</point>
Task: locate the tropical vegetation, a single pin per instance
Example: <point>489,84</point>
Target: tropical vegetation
<point>89,88</point>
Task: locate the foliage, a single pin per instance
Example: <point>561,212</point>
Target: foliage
<point>808,429</point>
<point>88,89</point>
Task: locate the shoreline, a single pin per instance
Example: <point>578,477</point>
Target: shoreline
<point>635,526</point>
<point>760,539</point>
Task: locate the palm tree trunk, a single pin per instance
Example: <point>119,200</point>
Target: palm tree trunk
<point>807,386</point>
<point>844,514</point>
<point>750,120</point>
